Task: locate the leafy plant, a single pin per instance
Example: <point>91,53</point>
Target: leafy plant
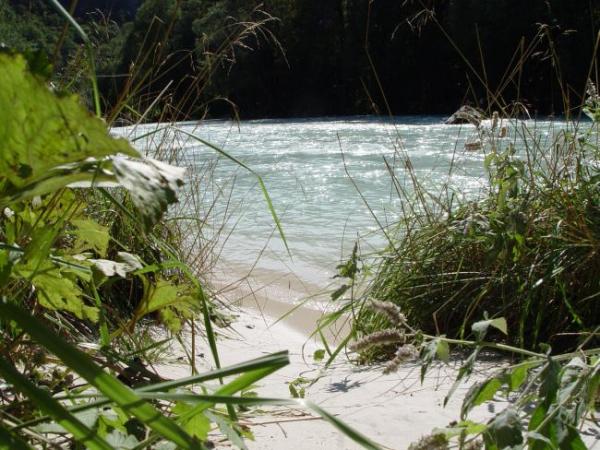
<point>60,271</point>
<point>549,397</point>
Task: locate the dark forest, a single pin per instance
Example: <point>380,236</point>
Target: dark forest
<point>292,58</point>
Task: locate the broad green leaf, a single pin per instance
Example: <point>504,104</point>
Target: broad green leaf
<point>170,319</point>
<point>40,130</point>
<point>443,350</point>
<point>6,265</point>
<point>90,236</point>
<point>550,377</point>
<point>537,416</point>
<point>516,377</point>
<point>54,291</point>
<point>571,439</point>
<point>38,249</point>
<point>479,393</point>
<point>197,425</point>
<point>163,294</point>
<point>465,371</point>
<point>428,354</point>
<point>537,440</point>
<point>504,431</point>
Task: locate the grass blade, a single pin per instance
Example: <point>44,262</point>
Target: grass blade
<point>255,401</point>
<point>280,359</point>
<point>263,187</point>
<point>50,406</point>
<point>235,386</point>
<point>90,53</point>
<point>112,388</point>
<point>10,441</point>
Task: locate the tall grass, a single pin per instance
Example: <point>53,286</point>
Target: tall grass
<point>85,268</point>
<point>525,248</point>
<point>524,257</point>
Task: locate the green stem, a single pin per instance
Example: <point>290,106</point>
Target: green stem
<point>503,347</point>
<point>90,53</point>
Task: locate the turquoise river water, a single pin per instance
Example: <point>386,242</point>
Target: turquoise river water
<point>329,180</point>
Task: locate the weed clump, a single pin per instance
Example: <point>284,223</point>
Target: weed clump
<point>527,249</point>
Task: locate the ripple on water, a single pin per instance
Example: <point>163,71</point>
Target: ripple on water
<point>306,162</point>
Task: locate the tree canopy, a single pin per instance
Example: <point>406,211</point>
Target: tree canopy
<point>286,58</point>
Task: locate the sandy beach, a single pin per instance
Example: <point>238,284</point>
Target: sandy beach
<point>393,410</point>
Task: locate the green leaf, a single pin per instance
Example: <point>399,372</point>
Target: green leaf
<point>40,130</point>
<point>54,291</point>
<point>443,350</point>
<point>516,377</point>
<point>38,249</point>
<point>504,431</point>
<point>550,377</point>
<point>90,236</point>
<point>537,417</point>
<point>539,441</point>
<point>479,393</point>
<point>295,393</point>
<point>571,439</point>
<point>97,377</point>
<point>465,371</point>
<point>428,354</point>
<point>163,294</point>
<point>480,328</point>
<point>170,319</point>
<point>319,354</point>
<point>6,265</point>
<point>197,425</point>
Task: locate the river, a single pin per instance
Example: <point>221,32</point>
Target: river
<point>329,181</point>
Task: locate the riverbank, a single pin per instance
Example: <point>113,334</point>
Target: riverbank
<point>393,410</point>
